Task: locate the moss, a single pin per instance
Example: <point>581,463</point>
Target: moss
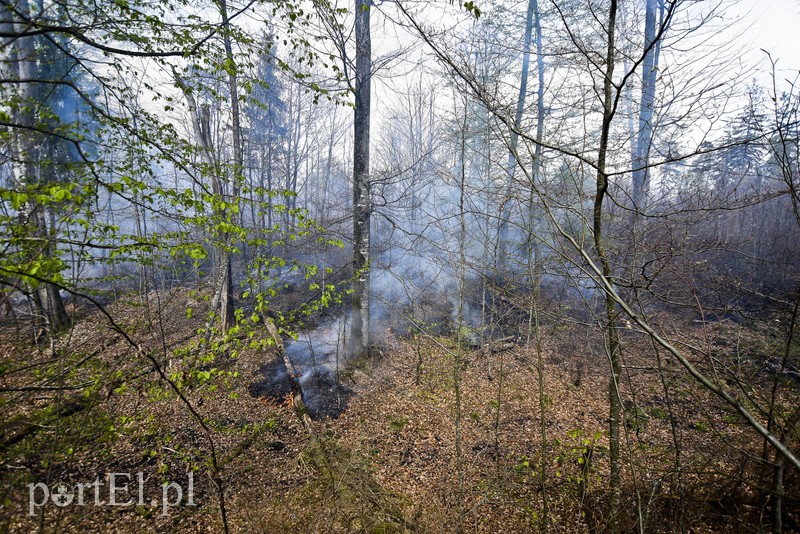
<point>398,424</point>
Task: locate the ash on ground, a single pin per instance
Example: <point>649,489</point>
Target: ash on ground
<point>318,358</point>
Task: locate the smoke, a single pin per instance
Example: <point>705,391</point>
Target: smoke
<point>318,361</point>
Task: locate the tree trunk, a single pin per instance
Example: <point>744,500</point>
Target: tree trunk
<point>523,89</point>
<point>535,267</point>
<point>537,150</point>
<point>359,330</point>
<point>612,335</point>
<point>641,156</point>
<point>227,308</point>
<point>200,124</point>
<point>298,404</point>
<point>49,301</point>
<point>458,359</point>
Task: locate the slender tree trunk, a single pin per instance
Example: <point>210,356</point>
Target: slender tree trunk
<point>200,124</point>
<point>144,281</point>
<point>536,269</point>
<point>269,189</point>
<point>778,469</point>
<point>505,216</point>
<point>612,335</point>
<point>323,212</point>
<point>359,330</point>
<point>537,151</point>
<point>777,495</point>
<point>629,105</point>
<point>457,360</point>
<point>227,304</point>
<point>533,9</point>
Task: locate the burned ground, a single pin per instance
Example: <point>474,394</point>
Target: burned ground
<point>383,458</point>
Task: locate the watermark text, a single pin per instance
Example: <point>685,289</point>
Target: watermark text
<point>117,489</point>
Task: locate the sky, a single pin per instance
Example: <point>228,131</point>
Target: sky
<point>773,25</point>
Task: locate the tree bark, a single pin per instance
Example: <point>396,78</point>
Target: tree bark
<point>359,330</point>
<point>227,308</point>
<point>612,335</point>
<point>641,156</point>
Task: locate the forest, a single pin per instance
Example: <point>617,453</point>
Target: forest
<point>398,266</point>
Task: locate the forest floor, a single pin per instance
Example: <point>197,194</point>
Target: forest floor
<point>390,462</point>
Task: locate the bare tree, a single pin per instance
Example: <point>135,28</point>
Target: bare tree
<point>594,237</point>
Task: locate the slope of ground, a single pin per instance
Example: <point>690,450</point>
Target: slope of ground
<point>391,462</point>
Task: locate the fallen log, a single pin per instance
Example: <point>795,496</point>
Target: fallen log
<point>297,391</point>
<point>501,345</point>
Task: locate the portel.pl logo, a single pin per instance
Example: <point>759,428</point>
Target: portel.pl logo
<point>116,492</point>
